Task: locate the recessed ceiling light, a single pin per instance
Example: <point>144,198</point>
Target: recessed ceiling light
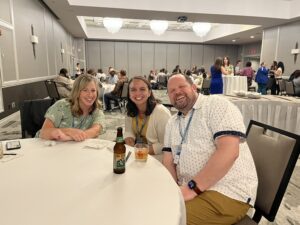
<point>233,40</point>
<point>251,36</point>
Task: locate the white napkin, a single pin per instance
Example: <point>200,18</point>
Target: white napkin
<point>97,144</point>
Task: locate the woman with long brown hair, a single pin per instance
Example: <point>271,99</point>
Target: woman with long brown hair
<point>146,118</point>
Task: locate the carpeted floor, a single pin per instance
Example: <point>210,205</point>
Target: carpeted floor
<point>289,211</point>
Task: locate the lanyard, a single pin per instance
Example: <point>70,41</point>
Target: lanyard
<point>139,132</point>
<point>183,135</point>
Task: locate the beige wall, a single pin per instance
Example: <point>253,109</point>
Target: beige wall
<point>138,58</point>
<point>277,44</point>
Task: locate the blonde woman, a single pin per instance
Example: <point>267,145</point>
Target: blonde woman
<point>75,118</point>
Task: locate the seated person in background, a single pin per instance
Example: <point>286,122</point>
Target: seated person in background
<point>198,82</point>
<point>63,83</point>
<point>162,72</point>
<point>153,79</point>
<point>92,72</point>
<point>261,79</point>
<point>202,72</point>
<point>100,75</point>
<point>296,81</point>
<point>116,93</point>
<point>112,77</point>
<point>189,73</point>
<point>176,69</point>
<point>237,68</point>
<point>248,72</point>
<point>82,71</point>
<point>152,76</point>
<point>77,70</point>
<point>206,153</point>
<point>77,117</point>
<point>146,118</point>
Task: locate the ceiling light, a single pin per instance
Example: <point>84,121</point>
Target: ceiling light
<point>251,36</point>
<point>201,29</point>
<point>113,25</point>
<point>159,26</point>
<point>233,40</point>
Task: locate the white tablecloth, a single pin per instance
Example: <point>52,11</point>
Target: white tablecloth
<point>234,83</point>
<point>69,184</point>
<point>279,111</point>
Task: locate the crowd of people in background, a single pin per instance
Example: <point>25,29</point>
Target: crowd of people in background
<point>264,79</point>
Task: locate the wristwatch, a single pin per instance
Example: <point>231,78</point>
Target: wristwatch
<point>193,186</point>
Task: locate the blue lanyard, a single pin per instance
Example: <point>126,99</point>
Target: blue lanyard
<point>183,135</point>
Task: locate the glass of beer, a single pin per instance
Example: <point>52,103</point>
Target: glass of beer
<point>141,152</point>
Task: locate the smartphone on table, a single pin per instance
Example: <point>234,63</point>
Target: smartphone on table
<point>12,145</point>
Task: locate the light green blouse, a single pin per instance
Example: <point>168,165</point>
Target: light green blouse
<point>60,114</point>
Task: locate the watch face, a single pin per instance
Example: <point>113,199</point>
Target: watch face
<point>191,184</point>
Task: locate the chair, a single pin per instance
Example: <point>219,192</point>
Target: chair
<point>275,153</point>
<point>289,88</point>
<point>52,89</point>
<point>281,84</point>
<point>122,100</point>
<point>205,89</point>
<point>32,115</point>
<point>162,82</point>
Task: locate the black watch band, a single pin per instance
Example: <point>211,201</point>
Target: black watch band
<point>193,186</point>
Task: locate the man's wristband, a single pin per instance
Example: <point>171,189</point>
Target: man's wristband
<point>193,186</point>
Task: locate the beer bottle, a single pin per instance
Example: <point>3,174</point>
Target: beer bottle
<point>119,153</point>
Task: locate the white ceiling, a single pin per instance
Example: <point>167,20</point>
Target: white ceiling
<point>234,19</point>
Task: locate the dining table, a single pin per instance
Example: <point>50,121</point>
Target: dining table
<point>233,84</point>
<point>282,112</point>
<point>72,183</point>
<point>279,111</point>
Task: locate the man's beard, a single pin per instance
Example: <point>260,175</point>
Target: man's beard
<point>182,105</point>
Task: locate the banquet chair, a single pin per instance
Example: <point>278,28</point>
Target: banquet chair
<point>275,153</point>
<point>122,100</point>
<point>271,83</point>
<point>205,89</point>
<point>32,115</point>
<point>289,88</point>
<point>52,89</point>
<point>281,84</point>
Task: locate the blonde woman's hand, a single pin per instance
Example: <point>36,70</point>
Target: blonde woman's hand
<point>77,134</point>
<point>59,135</point>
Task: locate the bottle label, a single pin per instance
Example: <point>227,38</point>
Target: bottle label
<point>119,139</point>
<point>119,161</point>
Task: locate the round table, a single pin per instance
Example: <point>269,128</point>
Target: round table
<point>73,183</point>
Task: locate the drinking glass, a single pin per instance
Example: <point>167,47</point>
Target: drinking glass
<point>141,152</point>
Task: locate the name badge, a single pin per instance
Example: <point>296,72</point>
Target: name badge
<point>177,155</point>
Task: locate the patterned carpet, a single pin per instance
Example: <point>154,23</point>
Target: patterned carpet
<point>289,211</point>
